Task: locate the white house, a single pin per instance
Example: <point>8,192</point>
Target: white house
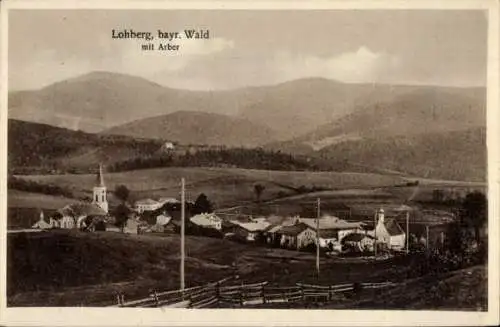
<point>388,231</point>
<point>168,146</point>
<point>297,236</point>
<point>358,242</point>
<point>147,205</point>
<point>207,220</point>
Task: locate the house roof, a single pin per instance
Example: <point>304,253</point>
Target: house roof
<point>41,224</point>
<point>393,227</point>
<point>252,226</point>
<point>356,237</point>
<point>146,202</point>
<point>168,200</point>
<point>163,220</point>
<point>273,228</point>
<point>330,222</point>
<point>294,230</point>
<point>204,219</point>
<point>82,209</point>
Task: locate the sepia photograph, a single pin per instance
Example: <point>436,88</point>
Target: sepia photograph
<point>248,158</point>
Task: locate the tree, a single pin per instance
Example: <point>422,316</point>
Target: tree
<point>474,212</point>
<point>202,204</point>
<point>258,189</point>
<point>122,192</point>
<point>121,214</point>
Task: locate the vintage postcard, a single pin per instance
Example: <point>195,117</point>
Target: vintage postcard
<point>249,163</point>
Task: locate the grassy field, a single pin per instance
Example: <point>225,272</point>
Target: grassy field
<point>75,268</point>
<point>465,289</point>
<point>224,186</point>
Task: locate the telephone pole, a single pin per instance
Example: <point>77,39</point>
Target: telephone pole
<point>317,235</point>
<point>407,232</point>
<point>182,232</point>
<point>375,234</point>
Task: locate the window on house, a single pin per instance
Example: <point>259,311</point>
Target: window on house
<point>96,198</point>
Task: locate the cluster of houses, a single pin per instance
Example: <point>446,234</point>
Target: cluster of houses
<point>162,216</point>
<point>332,233</point>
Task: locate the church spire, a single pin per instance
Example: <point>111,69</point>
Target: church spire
<point>100,176</point>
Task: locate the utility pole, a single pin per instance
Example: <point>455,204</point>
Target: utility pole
<point>183,200</point>
<point>407,232</point>
<point>427,238</point>
<point>317,236</point>
<point>375,234</point>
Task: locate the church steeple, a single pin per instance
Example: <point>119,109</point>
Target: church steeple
<point>100,194</point>
<point>100,177</point>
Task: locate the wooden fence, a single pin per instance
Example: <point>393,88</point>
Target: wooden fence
<point>216,293</point>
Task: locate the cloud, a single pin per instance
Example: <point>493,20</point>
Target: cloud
<point>122,56</point>
<point>359,66</point>
<point>140,62</point>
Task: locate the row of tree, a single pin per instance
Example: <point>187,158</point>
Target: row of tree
<point>234,157</point>
<point>14,183</point>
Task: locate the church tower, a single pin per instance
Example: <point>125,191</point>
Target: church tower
<point>99,196</point>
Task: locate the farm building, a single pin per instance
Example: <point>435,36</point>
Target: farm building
<point>357,242</point>
<point>250,231</point>
<point>75,215</point>
<point>156,223</point>
<point>329,239</point>
<point>207,220</point>
<point>297,236</point>
<point>131,226</point>
<point>147,205</point>
<point>271,234</point>
<point>331,222</point>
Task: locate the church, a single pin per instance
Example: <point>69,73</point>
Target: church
<point>83,215</point>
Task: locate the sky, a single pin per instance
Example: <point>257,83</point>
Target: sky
<point>252,47</point>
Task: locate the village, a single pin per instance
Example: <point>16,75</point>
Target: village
<point>162,216</point>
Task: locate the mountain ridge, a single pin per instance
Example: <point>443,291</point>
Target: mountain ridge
<point>100,100</point>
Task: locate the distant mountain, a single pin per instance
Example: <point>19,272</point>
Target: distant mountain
<point>32,146</point>
<point>420,111</point>
<point>302,106</point>
<point>189,127</point>
<point>100,100</point>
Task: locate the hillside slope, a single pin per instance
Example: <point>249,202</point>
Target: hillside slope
<point>189,127</point>
<point>40,145</point>
<point>454,155</point>
<point>306,104</point>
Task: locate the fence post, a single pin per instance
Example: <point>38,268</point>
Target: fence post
<point>118,299</point>
<point>302,293</point>
<point>157,301</point>
<point>263,294</point>
<point>330,294</point>
<point>241,296</point>
<point>217,291</point>
<point>123,298</point>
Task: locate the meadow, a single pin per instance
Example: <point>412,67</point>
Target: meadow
<point>223,186</point>
<point>71,268</point>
